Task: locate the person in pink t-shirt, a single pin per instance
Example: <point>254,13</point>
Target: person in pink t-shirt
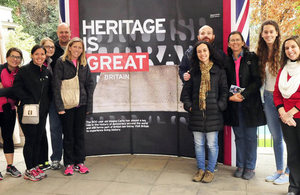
<point>8,72</point>
<point>245,111</point>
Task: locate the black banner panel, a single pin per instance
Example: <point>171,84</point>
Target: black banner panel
<point>133,49</point>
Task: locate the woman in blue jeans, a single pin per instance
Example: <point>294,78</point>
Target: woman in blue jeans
<point>205,97</point>
<point>245,111</point>
<point>268,53</point>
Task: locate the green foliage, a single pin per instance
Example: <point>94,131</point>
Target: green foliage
<point>39,31</point>
<point>19,39</point>
<point>265,143</point>
<point>9,3</point>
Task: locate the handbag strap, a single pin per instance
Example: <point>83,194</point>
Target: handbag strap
<point>77,68</point>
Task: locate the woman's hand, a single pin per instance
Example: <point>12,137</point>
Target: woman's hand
<point>237,97</point>
<point>62,112</point>
<point>287,117</point>
<point>1,86</point>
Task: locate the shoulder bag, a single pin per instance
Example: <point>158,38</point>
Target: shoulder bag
<point>70,91</point>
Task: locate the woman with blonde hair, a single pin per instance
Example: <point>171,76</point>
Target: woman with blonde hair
<point>55,124</point>
<point>73,63</point>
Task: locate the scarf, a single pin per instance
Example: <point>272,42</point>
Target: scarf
<point>289,87</point>
<point>204,84</point>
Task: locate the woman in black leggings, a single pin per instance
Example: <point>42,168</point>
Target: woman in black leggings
<point>7,108</point>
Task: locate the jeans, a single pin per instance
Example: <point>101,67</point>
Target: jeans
<point>56,133</point>
<point>213,149</point>
<point>246,143</point>
<point>274,126</point>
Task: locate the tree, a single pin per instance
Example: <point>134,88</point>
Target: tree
<point>38,17</point>
<point>285,12</point>
<point>20,39</point>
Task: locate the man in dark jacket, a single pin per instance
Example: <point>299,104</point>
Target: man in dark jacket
<point>206,33</point>
<point>64,35</point>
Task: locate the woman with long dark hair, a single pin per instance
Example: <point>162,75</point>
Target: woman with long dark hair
<point>268,52</point>
<point>205,98</point>
<point>287,101</point>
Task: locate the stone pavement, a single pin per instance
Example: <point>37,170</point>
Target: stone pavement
<point>142,175</point>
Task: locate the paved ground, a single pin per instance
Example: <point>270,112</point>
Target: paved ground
<point>142,174</point>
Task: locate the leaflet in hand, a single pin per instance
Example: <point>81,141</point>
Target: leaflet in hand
<point>236,89</point>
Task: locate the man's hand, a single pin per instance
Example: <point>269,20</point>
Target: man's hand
<point>186,76</point>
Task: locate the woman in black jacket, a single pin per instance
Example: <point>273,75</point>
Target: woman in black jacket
<point>245,111</point>
<point>32,86</point>
<point>73,119</point>
<point>205,97</point>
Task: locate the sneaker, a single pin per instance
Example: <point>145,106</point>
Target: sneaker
<point>238,172</point>
<point>13,171</point>
<point>81,168</point>
<point>291,193</point>
<point>283,179</point>
<point>1,177</point>
<point>248,174</point>
<point>41,172</point>
<point>69,170</point>
<point>273,177</point>
<point>216,167</point>
<point>198,176</point>
<point>32,175</point>
<point>45,166</point>
<point>56,165</point>
<point>208,177</point>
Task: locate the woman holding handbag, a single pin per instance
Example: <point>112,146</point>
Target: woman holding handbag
<point>32,87</point>
<point>72,70</point>
<point>8,72</point>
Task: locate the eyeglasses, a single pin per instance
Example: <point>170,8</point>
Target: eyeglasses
<point>49,47</point>
<point>16,57</point>
<point>235,40</point>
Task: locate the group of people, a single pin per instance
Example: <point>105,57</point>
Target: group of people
<point>224,89</point>
<point>39,82</point>
<point>208,75</point>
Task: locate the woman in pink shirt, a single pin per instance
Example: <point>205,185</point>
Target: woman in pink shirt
<point>8,72</point>
<point>244,112</point>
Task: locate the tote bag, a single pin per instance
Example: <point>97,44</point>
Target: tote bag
<point>70,92</point>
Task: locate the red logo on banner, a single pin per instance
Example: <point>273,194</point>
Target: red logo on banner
<point>118,62</point>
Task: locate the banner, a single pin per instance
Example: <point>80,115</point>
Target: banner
<point>133,49</point>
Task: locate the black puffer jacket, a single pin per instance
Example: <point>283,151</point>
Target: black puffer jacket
<point>210,119</point>
<point>66,70</point>
<point>250,80</point>
<point>32,86</point>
